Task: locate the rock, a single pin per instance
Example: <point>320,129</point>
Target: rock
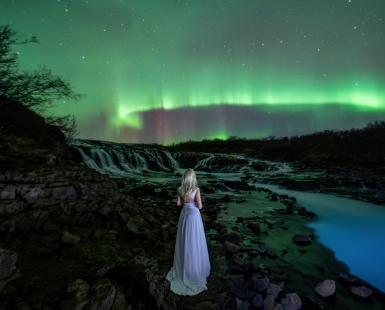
<point>14,275</point>
<point>14,207</point>
<point>269,303</point>
<point>223,231</point>
<point>26,220</point>
<point>101,295</point>
<point>225,198</point>
<point>146,271</point>
<point>231,247</point>
<point>272,255</point>
<point>254,226</point>
<point>285,278</point>
<point>262,250</point>
<point>274,290</point>
<point>7,263</point>
<point>68,192</point>
<point>348,279</point>
<point>238,264</point>
<point>44,215</point>
<point>301,239</point>
<point>261,285</point>
<point>291,302</point>
<point>239,304</point>
<point>237,286</point>
<point>8,227</point>
<point>221,225</point>
<point>100,269</point>
<point>257,301</point>
<point>326,288</point>
<point>8,192</point>
<point>67,240</point>
<point>77,295</point>
<point>120,302</point>
<point>232,237</point>
<point>360,292</point>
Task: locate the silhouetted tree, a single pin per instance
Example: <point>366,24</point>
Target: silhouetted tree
<point>35,89</point>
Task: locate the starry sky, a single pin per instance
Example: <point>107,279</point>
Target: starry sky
<point>163,71</point>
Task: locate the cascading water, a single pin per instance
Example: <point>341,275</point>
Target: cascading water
<point>123,159</point>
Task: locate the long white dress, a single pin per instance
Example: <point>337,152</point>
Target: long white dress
<point>191,259</point>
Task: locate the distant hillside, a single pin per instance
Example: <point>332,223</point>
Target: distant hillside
<point>356,149</point>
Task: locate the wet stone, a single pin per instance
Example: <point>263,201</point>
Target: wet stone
<point>301,239</point>
<point>237,286</point>
<point>262,250</point>
<point>257,301</point>
<point>326,288</point>
<point>260,285</point>
<point>348,279</point>
<point>291,302</point>
<point>360,292</point>
<point>231,247</point>
<point>274,290</point>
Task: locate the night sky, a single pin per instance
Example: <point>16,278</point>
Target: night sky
<point>167,71</point>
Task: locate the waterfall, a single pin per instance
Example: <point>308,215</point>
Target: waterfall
<point>207,162</point>
<point>118,159</point>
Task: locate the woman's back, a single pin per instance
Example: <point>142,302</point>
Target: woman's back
<point>190,198</point>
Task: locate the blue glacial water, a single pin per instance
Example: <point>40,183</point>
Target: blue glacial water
<point>354,230</point>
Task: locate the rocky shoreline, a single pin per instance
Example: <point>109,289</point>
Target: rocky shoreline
<point>72,238</point>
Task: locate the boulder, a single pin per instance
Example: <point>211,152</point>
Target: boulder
<point>262,250</point>
<point>348,279</point>
<point>15,275</point>
<point>232,237</point>
<point>101,294</point>
<point>255,227</point>
<point>269,303</point>
<point>301,239</point>
<point>231,247</point>
<point>261,285</point>
<point>360,292</point>
<point>239,265</point>
<point>274,290</point>
<point>77,295</point>
<point>257,301</point>
<point>285,278</point>
<point>99,269</point>
<point>326,288</point>
<point>120,302</point>
<point>291,302</point>
<point>67,240</point>
<point>237,286</point>
<point>239,304</point>
<point>7,263</point>
<point>221,225</point>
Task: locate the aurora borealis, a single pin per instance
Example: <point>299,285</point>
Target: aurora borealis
<point>167,70</point>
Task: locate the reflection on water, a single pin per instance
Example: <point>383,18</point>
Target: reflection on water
<point>354,230</point>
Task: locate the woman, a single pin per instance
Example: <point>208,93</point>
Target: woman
<point>191,260</point>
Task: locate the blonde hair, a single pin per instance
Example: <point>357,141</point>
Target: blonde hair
<point>189,183</point>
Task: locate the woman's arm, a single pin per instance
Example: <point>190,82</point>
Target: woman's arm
<point>198,199</point>
<point>179,201</point>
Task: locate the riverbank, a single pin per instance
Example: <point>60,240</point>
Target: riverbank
<point>299,266</point>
